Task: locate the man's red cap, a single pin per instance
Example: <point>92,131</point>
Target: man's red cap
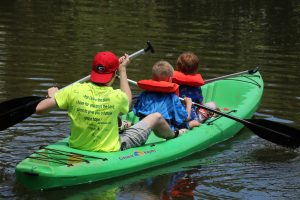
<point>104,67</point>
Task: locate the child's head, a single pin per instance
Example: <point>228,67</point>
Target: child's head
<point>162,71</point>
<point>187,63</point>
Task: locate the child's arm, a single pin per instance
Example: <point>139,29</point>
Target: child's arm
<point>191,123</point>
<point>188,107</point>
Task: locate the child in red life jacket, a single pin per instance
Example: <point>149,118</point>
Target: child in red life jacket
<point>190,84</point>
<point>160,95</point>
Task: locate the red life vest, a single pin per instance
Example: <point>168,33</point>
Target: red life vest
<point>194,80</point>
<point>158,86</point>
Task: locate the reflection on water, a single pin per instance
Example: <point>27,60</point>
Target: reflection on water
<point>52,43</point>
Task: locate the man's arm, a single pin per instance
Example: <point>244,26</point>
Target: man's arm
<point>48,103</point>
<point>124,86</point>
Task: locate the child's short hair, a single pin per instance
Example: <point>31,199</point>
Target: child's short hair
<point>187,63</point>
<point>162,70</point>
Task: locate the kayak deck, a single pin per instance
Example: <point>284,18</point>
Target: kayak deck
<point>58,165</point>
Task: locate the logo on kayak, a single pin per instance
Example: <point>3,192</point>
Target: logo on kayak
<point>137,153</point>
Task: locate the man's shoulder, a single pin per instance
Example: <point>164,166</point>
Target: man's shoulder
<point>88,86</point>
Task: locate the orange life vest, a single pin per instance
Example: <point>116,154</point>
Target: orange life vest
<point>158,86</point>
<point>194,80</point>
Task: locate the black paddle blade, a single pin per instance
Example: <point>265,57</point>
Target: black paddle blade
<point>16,110</point>
<point>274,132</point>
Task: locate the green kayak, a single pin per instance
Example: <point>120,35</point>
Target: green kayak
<point>58,165</point>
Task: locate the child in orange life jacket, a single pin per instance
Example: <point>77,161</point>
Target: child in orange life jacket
<point>160,95</point>
<point>190,84</point>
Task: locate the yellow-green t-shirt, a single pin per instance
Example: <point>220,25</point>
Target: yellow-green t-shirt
<point>93,111</point>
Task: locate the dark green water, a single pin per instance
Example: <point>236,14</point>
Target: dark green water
<point>52,43</point>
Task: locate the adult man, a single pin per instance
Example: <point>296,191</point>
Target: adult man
<point>93,108</point>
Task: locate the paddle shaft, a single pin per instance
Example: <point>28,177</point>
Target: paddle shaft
<point>242,121</point>
<point>252,71</point>
<point>133,55</point>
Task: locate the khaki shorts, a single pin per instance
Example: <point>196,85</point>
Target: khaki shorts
<point>135,136</point>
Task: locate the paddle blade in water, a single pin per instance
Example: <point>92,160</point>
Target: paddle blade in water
<point>16,110</point>
<point>274,132</point>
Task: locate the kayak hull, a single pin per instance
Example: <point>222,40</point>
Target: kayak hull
<point>58,165</point>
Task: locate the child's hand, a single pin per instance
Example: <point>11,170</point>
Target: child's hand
<point>188,101</point>
<point>52,91</point>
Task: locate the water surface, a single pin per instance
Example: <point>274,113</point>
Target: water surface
<point>52,43</point>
